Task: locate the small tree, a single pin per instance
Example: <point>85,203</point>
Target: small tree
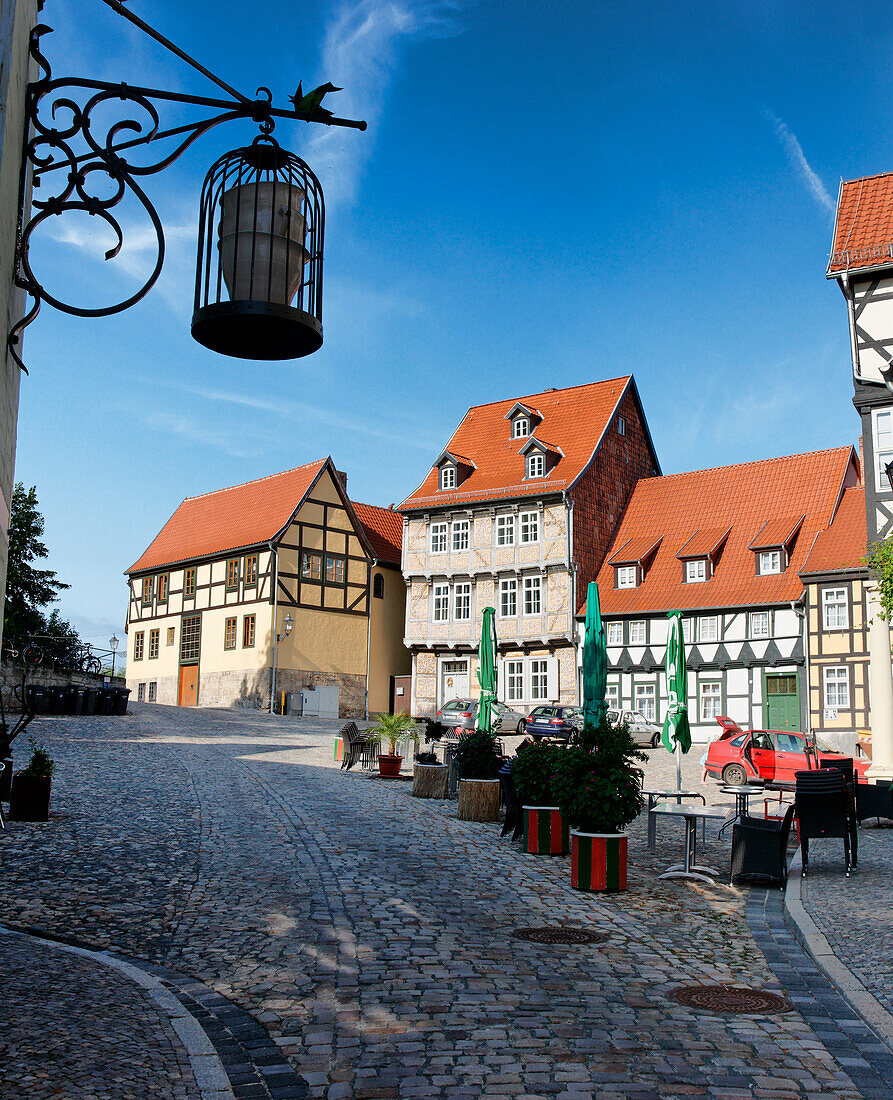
<point>28,589</point>
<point>879,560</point>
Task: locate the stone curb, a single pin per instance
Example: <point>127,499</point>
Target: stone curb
<point>841,977</point>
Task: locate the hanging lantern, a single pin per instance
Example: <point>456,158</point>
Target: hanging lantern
<point>258,282</point>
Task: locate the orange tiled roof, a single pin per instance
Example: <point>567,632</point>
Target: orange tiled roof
<point>636,550</point>
<point>844,543</point>
<point>573,419</point>
<point>384,530</point>
<point>741,497</point>
<point>228,519</point>
<point>863,229</point>
<point>776,532</point>
<point>703,543</point>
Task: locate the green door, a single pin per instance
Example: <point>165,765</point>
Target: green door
<point>782,702</point>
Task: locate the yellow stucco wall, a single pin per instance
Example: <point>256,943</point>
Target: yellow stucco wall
<point>387,655</point>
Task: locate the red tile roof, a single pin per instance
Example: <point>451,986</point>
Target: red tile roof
<point>636,550</point>
<point>704,543</point>
<point>574,420</point>
<point>844,543</point>
<point>776,532</point>
<point>863,230</point>
<point>741,497</point>
<point>384,530</point>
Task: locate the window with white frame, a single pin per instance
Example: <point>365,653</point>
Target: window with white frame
<point>536,464</point>
<point>759,624</point>
<point>505,530</point>
<point>626,576</point>
<point>708,628</point>
<point>462,601</point>
<point>770,561</point>
<point>153,691</point>
<point>520,427</point>
<point>441,603</point>
<point>533,596</point>
<point>695,570</point>
<point>612,696</point>
<point>710,700</point>
<point>686,631</point>
<point>514,681</point>
<point>460,534</point>
<point>837,687</point>
<point>645,700</point>
<point>508,598</point>
<point>530,526</point>
<point>439,538</point>
<point>882,430</point>
<point>621,426</point>
<point>637,632</point>
<point>448,476</point>
<point>835,611</point>
<point>539,680</point>
<point>614,634</point>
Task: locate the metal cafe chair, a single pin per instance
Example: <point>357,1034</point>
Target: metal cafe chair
<point>822,807</point>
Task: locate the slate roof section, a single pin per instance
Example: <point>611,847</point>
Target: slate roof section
<point>863,228</point>
<point>842,546</point>
<point>573,420</point>
<point>742,497</point>
<point>384,530</point>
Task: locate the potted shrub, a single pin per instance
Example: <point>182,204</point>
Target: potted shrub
<point>429,776</point>
<point>9,731</point>
<point>533,773</point>
<point>30,798</point>
<point>478,764</point>
<point>599,791</point>
<point>389,729</point>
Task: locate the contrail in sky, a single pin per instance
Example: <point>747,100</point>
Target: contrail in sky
<point>797,159</point>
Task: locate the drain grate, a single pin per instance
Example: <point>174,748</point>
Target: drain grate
<point>556,933</point>
<point>730,999</point>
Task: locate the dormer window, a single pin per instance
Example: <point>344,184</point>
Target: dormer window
<point>448,476</point>
<point>626,576</point>
<point>770,562</point>
<point>521,427</point>
<point>696,571</point>
<point>536,464</point>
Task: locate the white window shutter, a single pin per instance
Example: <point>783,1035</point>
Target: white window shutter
<point>552,679</point>
<point>501,685</point>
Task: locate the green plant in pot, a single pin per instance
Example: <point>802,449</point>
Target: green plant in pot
<point>599,790</point>
<point>9,731</point>
<point>30,796</point>
<point>478,764</point>
<point>534,769</point>
<point>388,731</point>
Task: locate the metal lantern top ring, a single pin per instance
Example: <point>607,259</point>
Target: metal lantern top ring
<point>258,281</point>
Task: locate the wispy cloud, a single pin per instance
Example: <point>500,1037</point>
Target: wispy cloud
<point>361,52</point>
<point>797,160</point>
<point>239,444</point>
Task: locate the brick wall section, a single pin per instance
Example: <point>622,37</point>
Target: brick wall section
<point>602,492</point>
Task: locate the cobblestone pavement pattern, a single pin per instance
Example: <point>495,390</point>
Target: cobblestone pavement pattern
<point>369,932</point>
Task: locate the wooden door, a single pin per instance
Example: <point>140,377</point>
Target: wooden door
<point>188,695</point>
<point>783,703</point>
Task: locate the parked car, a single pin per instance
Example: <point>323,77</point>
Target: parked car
<point>740,756</point>
<point>644,732</point>
<point>460,715</point>
<point>551,722</point>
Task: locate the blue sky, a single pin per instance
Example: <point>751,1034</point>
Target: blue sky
<point>548,193</point>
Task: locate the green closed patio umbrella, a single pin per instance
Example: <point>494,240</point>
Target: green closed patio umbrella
<point>595,660</point>
<point>487,675</point>
<point>676,734</point>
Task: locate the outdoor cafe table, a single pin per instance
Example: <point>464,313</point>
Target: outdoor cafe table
<point>743,793</point>
<point>689,868</point>
<point>654,797</point>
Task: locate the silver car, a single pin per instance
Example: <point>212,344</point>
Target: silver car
<point>461,715</point>
<point>644,732</point>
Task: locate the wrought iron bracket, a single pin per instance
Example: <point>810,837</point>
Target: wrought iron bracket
<point>75,159</point>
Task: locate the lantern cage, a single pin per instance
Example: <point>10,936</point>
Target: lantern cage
<point>258,281</point>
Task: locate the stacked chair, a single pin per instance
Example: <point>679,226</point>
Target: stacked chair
<point>759,848</point>
<point>874,800</point>
<point>514,818</point>
<point>825,810</point>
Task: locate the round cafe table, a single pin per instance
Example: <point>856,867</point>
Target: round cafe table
<point>654,796</point>
<point>742,793</point>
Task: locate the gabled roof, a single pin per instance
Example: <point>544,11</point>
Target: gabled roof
<point>776,533</point>
<point>520,407</point>
<point>704,543</point>
<point>384,530</point>
<point>842,546</point>
<point>636,550</point>
<point>863,228</point>
<point>742,498</point>
<point>460,460</point>
<point>534,443</point>
<point>573,419</point>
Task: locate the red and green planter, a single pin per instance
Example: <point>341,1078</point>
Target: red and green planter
<point>545,834</point>
<point>598,861</point>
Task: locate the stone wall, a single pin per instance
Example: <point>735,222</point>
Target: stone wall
<point>351,694</point>
<point>11,679</point>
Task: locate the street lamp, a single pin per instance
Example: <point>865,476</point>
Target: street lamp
<point>287,623</point>
<point>258,292</point>
<point>113,643</point>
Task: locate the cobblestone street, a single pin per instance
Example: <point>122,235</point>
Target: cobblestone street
<point>369,933</point>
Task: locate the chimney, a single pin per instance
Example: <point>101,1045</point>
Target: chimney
<point>342,477</point>
<point>861,463</point>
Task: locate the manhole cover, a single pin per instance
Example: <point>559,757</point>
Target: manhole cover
<point>730,999</point>
<point>558,934</point>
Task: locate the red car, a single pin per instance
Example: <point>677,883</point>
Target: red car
<point>740,756</point>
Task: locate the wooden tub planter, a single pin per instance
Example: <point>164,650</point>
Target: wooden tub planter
<point>598,861</point>
<point>389,766</point>
<point>29,798</point>
<point>429,780</point>
<point>545,834</point>
<point>478,800</point>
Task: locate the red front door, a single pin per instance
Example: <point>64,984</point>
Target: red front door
<point>188,695</point>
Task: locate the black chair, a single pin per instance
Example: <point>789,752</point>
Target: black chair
<point>357,747</point>
<point>822,806</point>
<point>845,766</point>
<point>874,800</point>
<point>509,797</point>
<point>759,848</point>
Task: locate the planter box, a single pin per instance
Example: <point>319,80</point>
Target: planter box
<point>478,800</point>
<point>598,861</point>
<point>29,799</point>
<point>545,834</point>
<point>389,766</point>
<point>339,750</point>
<point>429,780</point>
<point>6,779</point>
